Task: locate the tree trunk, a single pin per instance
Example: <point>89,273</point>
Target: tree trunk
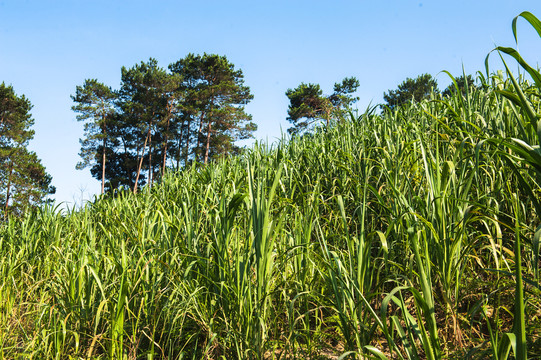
<point>164,154</point>
<point>179,145</point>
<point>199,133</point>
<point>128,170</point>
<point>150,160</point>
<point>168,118</point>
<point>188,141</point>
<point>104,133</point>
<point>165,146</point>
<point>7,190</point>
<point>103,166</point>
<point>141,162</point>
<point>209,129</point>
<point>328,118</point>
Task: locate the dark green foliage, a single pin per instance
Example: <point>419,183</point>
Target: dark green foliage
<point>411,89</point>
<point>145,100</point>
<point>307,104</point>
<point>23,180</point>
<point>95,104</point>
<point>461,82</point>
<point>120,172</point>
<point>341,97</point>
<point>214,100</point>
<point>161,119</point>
<point>15,118</point>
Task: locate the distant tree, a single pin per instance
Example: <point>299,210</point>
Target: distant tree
<point>307,104</point>
<point>461,82</point>
<point>143,100</point>
<point>95,104</point>
<point>341,97</point>
<point>215,96</point>
<point>194,111</point>
<point>23,180</point>
<point>416,89</point>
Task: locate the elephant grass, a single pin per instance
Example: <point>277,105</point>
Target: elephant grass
<point>409,233</point>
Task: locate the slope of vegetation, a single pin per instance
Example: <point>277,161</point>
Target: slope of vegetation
<point>410,234</point>
<point>384,235</point>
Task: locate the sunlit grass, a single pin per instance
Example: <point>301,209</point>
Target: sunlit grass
<point>406,234</point>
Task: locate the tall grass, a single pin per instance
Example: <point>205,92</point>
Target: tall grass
<point>405,234</point>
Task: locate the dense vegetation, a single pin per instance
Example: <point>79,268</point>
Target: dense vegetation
<point>160,119</point>
<point>406,234</point>
<point>393,230</point>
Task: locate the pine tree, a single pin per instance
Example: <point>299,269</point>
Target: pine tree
<point>23,180</point>
<point>95,103</point>
<point>147,107</point>
<point>308,105</point>
<point>157,118</point>
<point>411,89</point>
<point>215,96</point>
<point>462,82</point>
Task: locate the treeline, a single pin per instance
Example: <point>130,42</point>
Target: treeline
<point>170,117</point>
<point>160,118</point>
<point>422,87</point>
<point>308,106</point>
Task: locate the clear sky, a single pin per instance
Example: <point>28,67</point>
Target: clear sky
<point>49,47</point>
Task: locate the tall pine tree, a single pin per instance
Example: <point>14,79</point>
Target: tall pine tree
<point>215,96</point>
<point>95,103</point>
<point>147,106</point>
<point>23,180</point>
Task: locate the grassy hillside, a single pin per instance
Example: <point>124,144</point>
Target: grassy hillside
<point>386,235</point>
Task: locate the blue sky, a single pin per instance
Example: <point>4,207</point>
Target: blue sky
<point>48,47</point>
